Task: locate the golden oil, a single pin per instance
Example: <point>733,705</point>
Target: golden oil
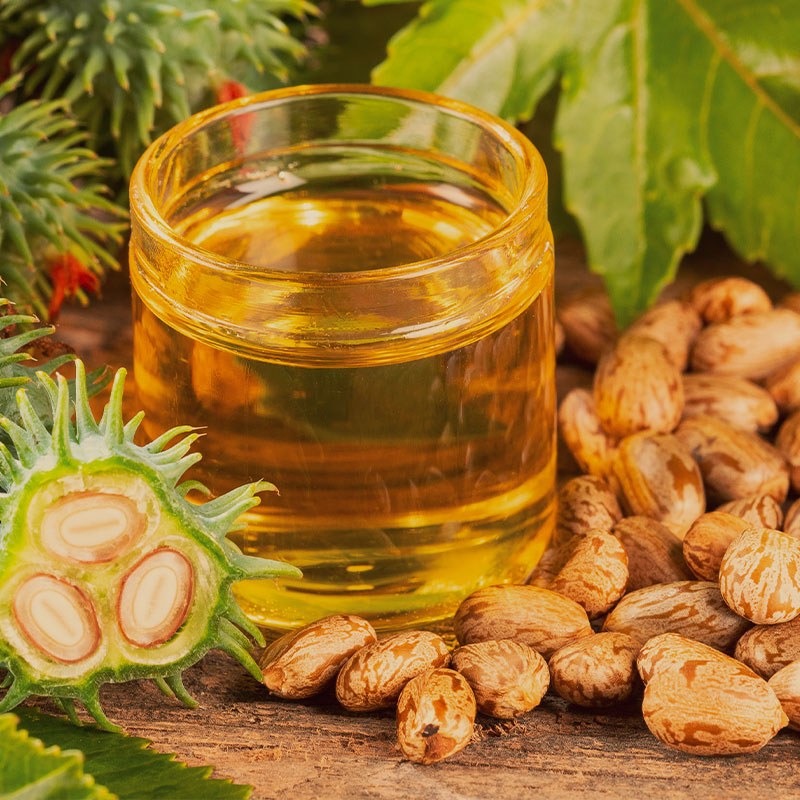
<point>403,486</point>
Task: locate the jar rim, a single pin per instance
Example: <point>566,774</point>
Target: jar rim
<point>532,200</point>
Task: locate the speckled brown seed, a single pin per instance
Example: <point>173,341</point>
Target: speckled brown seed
<point>508,678</point>
<point>597,671</point>
<point>584,503</point>
<point>591,569</point>
<point>588,321</point>
<point>659,479</point>
<point>302,663</point>
<point>735,464</point>
<point>694,609</point>
<point>769,648</point>
<point>591,447</point>
<point>762,510</point>
<point>534,616</point>
<point>760,576</point>
<point>707,540</point>
<point>748,345</point>
<point>654,553</point>
<point>791,522</point>
<point>788,443</point>
<point>435,716</point>
<point>374,676</point>
<point>784,386</point>
<point>674,324</point>
<point>737,401</point>
<point>637,387</point>
<point>719,299</point>
<point>702,702</point>
<point>786,685</point>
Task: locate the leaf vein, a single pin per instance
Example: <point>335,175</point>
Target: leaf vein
<point>508,28</point>
<point>727,54</point>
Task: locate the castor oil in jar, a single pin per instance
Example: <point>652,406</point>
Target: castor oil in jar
<point>366,322</point>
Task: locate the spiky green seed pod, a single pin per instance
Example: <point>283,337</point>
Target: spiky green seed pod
<point>126,65</point>
<point>107,572</point>
<point>50,196</point>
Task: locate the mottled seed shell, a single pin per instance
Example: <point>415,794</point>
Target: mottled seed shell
<point>737,401</point>
<point>584,503</point>
<point>707,540</point>
<point>654,553</point>
<point>788,443</point>
<point>637,387</point>
<point>591,447</point>
<point>547,567</point>
<point>591,569</point>
<point>597,671</point>
<point>435,716</point>
<point>784,386</point>
<point>694,609</point>
<point>761,511</point>
<point>670,651</point>
<point>760,576</point>
<point>735,464</point>
<point>749,345</point>
<point>766,649</point>
<point>706,703</point>
<point>675,325</point>
<point>594,573</point>
<point>719,299</point>
<point>374,676</point>
<point>302,663</point>
<point>791,522</point>
<point>588,322</point>
<point>659,479</point>
<point>508,678</point>
<point>534,616</point>
<point>786,685</point>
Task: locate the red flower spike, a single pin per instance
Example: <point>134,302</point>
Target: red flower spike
<point>242,125</point>
<point>68,275</point>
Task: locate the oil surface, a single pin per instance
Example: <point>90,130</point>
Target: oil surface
<point>403,485</point>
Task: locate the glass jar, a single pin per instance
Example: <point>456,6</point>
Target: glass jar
<point>351,289</point>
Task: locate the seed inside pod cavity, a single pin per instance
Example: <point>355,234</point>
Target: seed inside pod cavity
<point>91,527</point>
<point>57,618</point>
<point>155,598</point>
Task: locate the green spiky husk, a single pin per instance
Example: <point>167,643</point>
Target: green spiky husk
<point>128,67</point>
<point>51,197</point>
<point>88,454</point>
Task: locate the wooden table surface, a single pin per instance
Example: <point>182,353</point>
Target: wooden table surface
<point>316,750</point>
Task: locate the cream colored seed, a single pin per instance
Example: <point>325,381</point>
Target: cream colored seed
<point>91,527</point>
<point>155,597</point>
<point>56,618</point>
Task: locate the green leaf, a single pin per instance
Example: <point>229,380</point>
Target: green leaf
<point>501,56</point>
<point>124,764</point>
<point>663,103</point>
<point>29,771</point>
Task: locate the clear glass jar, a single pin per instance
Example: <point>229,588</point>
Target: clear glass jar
<point>352,289</point>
